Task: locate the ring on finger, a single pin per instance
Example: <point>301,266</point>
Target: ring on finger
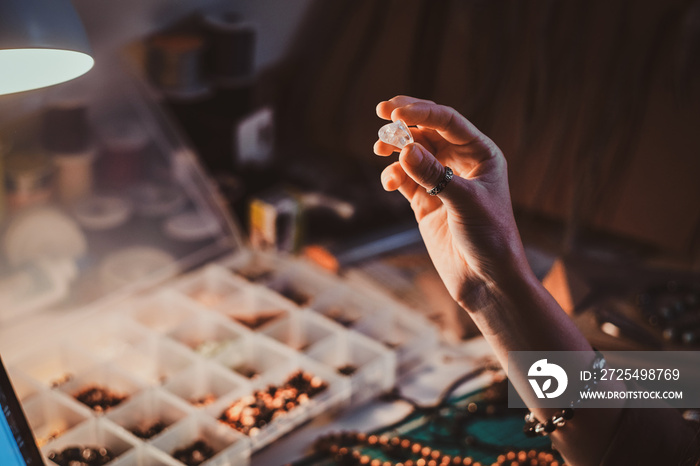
<point>441,185</point>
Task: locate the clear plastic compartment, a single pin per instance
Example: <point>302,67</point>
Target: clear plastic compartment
<point>50,415</point>
<point>233,409</point>
<point>204,383</point>
<point>256,356</point>
<point>257,266</point>
<point>150,413</point>
<point>162,312</point>
<point>155,360</point>
<point>227,446</point>
<point>345,306</point>
<point>25,387</point>
<point>301,284</point>
<point>108,335</point>
<point>102,388</point>
<point>302,330</point>
<point>369,365</point>
<point>210,286</point>
<point>56,364</point>
<point>255,308</point>
<point>93,433</point>
<point>145,455</point>
<point>402,331</point>
<point>207,335</point>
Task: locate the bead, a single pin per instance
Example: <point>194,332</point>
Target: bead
<point>549,427</point>
<point>435,454</point>
<point>567,413</point>
<point>416,448</point>
<point>425,451</point>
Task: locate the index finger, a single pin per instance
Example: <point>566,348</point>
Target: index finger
<point>447,121</point>
<point>385,108</point>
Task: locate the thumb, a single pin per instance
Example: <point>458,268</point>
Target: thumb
<point>427,171</point>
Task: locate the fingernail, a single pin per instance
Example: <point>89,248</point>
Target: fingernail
<point>414,156</point>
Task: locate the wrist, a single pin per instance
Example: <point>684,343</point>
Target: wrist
<point>511,281</point>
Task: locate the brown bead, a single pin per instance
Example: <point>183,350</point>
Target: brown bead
<point>532,454</point>
<point>364,459</point>
<point>376,462</point>
<point>467,461</point>
<point>405,444</point>
<point>383,440</point>
<point>425,451</point>
<point>457,460</point>
<point>361,437</point>
<point>421,462</point>
<point>416,448</point>
<point>522,456</point>
<point>372,439</point>
<point>501,459</point>
<point>432,463</point>
<point>510,456</point>
<point>435,454</point>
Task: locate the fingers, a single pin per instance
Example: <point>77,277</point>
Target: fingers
<point>423,168</point>
<point>449,123</point>
<point>393,177</point>
<point>385,108</point>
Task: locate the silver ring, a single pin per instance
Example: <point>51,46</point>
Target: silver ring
<point>441,185</point>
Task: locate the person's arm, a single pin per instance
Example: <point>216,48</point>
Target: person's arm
<point>473,241</point>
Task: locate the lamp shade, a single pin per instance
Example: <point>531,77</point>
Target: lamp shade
<point>42,42</point>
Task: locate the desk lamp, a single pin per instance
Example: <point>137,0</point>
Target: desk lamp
<point>42,43</point>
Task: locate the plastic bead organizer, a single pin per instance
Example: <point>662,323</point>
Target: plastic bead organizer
<point>160,361</point>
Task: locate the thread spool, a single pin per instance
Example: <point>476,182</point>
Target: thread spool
<point>174,64</point>
<point>231,54</point>
<point>65,133</point>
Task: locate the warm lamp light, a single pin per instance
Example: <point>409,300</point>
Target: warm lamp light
<point>42,42</point>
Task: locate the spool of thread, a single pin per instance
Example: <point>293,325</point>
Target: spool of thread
<point>231,55</point>
<point>124,145</point>
<point>74,174</point>
<point>174,63</point>
<point>65,133</point>
<point>28,179</point>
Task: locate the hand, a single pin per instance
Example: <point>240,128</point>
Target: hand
<point>468,228</point>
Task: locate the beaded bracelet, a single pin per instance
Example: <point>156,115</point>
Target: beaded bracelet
<point>533,427</point>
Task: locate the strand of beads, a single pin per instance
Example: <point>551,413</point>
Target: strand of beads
<point>340,446</point>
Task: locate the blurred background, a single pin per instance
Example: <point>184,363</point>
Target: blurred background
<point>596,106</point>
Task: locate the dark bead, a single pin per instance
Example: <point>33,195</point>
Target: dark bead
<point>529,431</point>
<point>567,413</point>
<point>550,427</point>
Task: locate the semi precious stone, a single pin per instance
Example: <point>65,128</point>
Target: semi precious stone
<point>396,134</point>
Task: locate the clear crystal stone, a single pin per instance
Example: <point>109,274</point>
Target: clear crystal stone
<point>396,133</point>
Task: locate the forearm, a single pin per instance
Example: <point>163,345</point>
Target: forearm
<point>518,314</point>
